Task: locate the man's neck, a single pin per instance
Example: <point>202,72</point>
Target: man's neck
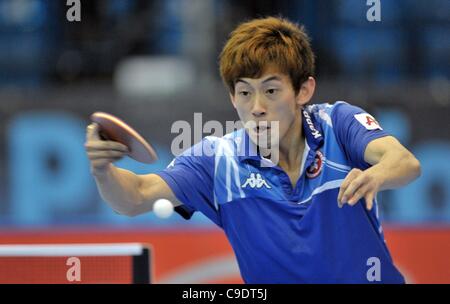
<point>290,150</point>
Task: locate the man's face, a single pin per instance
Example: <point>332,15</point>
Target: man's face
<point>263,102</point>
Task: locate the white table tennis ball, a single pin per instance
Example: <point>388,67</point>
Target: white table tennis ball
<point>163,208</point>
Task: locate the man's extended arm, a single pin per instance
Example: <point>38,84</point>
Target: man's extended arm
<point>126,192</point>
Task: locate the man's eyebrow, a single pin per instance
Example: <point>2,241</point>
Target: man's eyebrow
<point>242,80</point>
<point>271,78</point>
<point>264,81</point>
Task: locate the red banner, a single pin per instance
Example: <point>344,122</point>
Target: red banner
<point>205,256</point>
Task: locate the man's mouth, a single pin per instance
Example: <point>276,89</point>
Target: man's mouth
<point>260,129</point>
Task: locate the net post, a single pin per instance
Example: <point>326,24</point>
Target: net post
<point>141,267</point>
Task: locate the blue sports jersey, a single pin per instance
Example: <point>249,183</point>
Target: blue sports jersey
<point>282,234</point>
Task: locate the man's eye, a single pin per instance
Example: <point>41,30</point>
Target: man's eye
<point>244,93</point>
<point>271,91</point>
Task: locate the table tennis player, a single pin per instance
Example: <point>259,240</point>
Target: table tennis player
<point>311,217</point>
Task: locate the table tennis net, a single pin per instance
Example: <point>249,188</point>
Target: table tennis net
<point>118,263</point>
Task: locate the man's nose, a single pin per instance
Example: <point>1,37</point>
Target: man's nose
<point>258,109</point>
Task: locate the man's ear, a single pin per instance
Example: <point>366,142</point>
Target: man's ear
<point>306,91</point>
<point>233,101</point>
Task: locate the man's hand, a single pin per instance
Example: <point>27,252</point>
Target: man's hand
<point>102,153</point>
<point>358,184</point>
<point>393,166</point>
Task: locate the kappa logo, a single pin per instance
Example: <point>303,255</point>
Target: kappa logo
<point>316,167</point>
<point>314,131</point>
<point>255,181</point>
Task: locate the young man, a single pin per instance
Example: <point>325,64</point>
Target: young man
<point>310,216</point>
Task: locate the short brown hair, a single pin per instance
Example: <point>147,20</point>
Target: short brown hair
<point>255,45</point>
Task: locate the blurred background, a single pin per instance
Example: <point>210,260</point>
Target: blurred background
<point>155,62</point>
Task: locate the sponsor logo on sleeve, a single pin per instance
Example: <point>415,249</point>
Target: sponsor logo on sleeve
<point>368,121</point>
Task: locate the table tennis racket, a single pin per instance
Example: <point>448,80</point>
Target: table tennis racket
<point>113,128</point>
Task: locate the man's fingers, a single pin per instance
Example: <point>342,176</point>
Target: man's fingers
<point>101,153</point>
<point>105,154</point>
<point>355,191</point>
<point>352,183</point>
<point>92,132</point>
<point>348,179</point>
<point>369,200</point>
<point>358,194</point>
<point>101,145</point>
<point>357,185</point>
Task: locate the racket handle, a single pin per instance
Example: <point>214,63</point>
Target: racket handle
<point>103,135</point>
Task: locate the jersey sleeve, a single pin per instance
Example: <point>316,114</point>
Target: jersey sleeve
<point>190,177</point>
<point>355,129</point>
